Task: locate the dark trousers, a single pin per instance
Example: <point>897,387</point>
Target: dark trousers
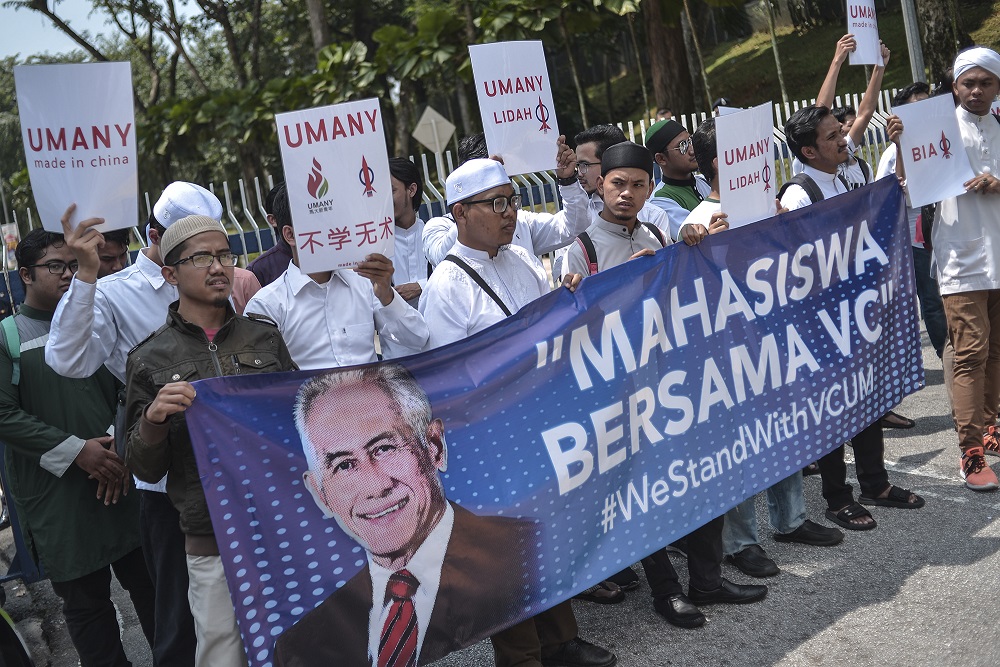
<point>704,549</point>
<point>931,307</point>
<point>90,614</point>
<point>163,547</point>
<point>524,644</point>
<point>873,479</point>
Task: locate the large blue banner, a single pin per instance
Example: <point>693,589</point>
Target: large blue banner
<point>564,443</point>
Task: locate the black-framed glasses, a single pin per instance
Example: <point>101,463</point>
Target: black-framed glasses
<point>683,147</point>
<point>57,267</point>
<point>205,260</point>
<point>582,167</point>
<point>500,204</point>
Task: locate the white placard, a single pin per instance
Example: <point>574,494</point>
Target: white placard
<point>78,127</point>
<point>515,100</point>
<point>932,151</point>
<point>745,142</point>
<point>863,24</point>
<point>337,174</point>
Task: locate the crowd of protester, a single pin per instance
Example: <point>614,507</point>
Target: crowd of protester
<point>96,366</point>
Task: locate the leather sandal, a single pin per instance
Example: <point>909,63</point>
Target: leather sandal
<point>606,592</point>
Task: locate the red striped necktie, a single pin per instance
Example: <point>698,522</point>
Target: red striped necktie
<point>397,646</point>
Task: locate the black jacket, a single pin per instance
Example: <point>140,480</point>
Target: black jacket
<point>180,351</point>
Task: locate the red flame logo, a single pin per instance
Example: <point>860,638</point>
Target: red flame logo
<point>317,185</point>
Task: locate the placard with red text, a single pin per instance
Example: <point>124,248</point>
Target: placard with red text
<point>515,100</point>
<point>863,24</point>
<point>745,142</point>
<point>337,174</point>
<point>78,127</point>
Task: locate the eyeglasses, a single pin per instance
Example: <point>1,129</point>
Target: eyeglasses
<point>683,147</point>
<point>56,267</point>
<point>204,260</point>
<point>499,203</point>
<point>582,167</point>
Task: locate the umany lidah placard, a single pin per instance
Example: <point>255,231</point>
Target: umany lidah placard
<point>582,433</point>
<point>932,151</point>
<point>515,100</point>
<point>745,141</point>
<point>863,24</point>
<point>78,127</point>
<point>337,175</point>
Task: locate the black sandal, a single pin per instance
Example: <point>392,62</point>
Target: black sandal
<point>893,420</point>
<point>606,592</point>
<point>897,497</point>
<point>852,511</point>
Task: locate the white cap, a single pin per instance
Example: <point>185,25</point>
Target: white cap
<point>180,199</point>
<point>473,177</point>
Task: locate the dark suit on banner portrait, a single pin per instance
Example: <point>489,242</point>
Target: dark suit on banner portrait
<point>487,575</point>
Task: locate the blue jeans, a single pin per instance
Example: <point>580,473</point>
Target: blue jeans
<point>931,307</point>
<point>786,504</point>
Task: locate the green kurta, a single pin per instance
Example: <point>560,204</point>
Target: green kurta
<point>44,421</point>
<point>684,193</point>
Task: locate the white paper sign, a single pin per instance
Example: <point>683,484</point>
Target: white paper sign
<point>932,151</point>
<point>863,24</point>
<point>745,141</point>
<point>337,174</point>
<point>78,127</point>
<point>515,100</point>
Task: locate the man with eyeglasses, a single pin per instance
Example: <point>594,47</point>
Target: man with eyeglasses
<point>537,232</point>
<point>680,190</point>
<point>330,318</point>
<point>484,279</point>
<point>203,337</point>
<point>68,487</point>
<point>96,324</point>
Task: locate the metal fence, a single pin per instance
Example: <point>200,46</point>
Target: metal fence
<point>250,234</point>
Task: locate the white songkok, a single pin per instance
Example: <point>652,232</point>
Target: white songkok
<point>978,56</point>
<point>473,177</point>
<point>180,199</point>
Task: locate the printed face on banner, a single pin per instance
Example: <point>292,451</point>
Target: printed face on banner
<point>82,152</point>
<point>863,24</point>
<point>515,100</point>
<point>337,174</point>
<point>746,158</point>
<point>933,154</point>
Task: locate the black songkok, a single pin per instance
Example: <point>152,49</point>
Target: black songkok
<point>627,155</point>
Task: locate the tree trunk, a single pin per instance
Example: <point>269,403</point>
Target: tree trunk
<point>668,63</point>
<point>573,71</point>
<point>403,122</point>
<point>699,79</point>
<point>774,48</point>
<point>638,66</point>
<point>317,24</point>
<point>941,34</point>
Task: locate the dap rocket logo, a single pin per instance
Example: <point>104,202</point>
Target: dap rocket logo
<point>317,185</point>
<point>542,114</point>
<point>367,178</point>
<point>765,173</point>
<point>945,146</point>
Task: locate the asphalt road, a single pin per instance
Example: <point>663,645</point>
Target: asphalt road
<point>919,590</point>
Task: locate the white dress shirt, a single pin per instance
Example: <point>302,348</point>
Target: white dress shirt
<point>333,324</point>
<point>538,233</point>
<point>97,324</point>
<point>887,167</point>
<point>795,196</point>
<point>425,566</point>
<point>408,258</point>
<point>455,307</point>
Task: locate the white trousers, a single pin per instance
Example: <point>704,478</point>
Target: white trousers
<point>215,629</point>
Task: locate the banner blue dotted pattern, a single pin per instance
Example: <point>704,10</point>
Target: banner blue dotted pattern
<point>498,391</point>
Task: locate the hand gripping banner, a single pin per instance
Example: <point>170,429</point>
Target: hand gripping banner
<point>414,508</point>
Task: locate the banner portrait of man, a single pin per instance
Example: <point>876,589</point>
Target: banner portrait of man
<point>438,577</point>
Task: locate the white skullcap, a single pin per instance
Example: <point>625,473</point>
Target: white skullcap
<point>978,56</point>
<point>473,177</point>
<point>180,199</point>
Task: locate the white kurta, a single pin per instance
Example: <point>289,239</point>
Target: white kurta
<point>966,234</point>
<point>455,307</point>
<point>408,259</point>
<point>334,324</point>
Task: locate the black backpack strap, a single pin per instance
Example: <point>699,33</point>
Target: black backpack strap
<point>656,232</point>
<point>806,183</point>
<point>865,169</point>
<point>430,269</point>
<point>479,281</point>
<point>589,251</point>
